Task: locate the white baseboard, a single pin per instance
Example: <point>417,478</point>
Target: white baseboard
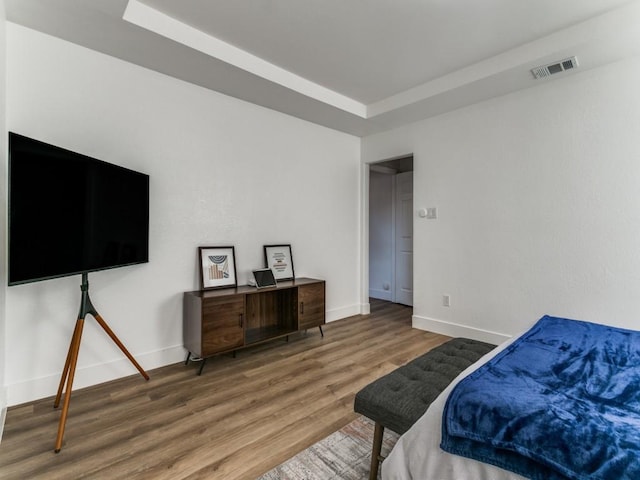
<point>380,294</point>
<point>47,386</point>
<point>457,330</point>
<point>342,312</point>
<point>3,409</point>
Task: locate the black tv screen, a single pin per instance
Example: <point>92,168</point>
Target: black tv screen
<point>72,214</point>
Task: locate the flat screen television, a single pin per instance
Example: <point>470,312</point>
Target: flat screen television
<point>72,214</point>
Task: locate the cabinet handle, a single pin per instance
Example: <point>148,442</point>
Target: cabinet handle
<point>301,308</point>
<point>241,320</point>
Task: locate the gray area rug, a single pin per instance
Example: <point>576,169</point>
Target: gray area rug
<point>343,455</point>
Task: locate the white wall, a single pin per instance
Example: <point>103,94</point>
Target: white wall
<point>380,235</point>
<point>538,197</point>
<point>3,211</point>
<point>207,155</point>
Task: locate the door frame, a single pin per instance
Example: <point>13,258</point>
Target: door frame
<point>365,168</point>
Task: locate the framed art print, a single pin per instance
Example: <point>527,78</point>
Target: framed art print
<point>217,267</point>
<point>279,259</point>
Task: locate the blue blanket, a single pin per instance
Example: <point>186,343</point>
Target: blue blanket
<point>562,401</point>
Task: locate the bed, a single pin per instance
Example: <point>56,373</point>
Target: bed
<point>560,401</point>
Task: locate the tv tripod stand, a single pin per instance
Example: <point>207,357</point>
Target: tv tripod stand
<point>66,381</point>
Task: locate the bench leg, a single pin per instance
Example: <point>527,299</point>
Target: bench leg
<point>375,452</point>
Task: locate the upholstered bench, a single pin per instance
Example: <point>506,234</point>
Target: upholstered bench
<point>397,400</point>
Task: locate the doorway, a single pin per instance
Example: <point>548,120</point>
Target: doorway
<point>391,230</point>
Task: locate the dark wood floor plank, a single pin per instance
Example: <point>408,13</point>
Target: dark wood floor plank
<point>239,419</point>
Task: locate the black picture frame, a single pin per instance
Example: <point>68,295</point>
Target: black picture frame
<point>279,258</point>
<point>217,267</point>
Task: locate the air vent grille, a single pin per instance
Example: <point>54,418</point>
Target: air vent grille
<point>556,67</point>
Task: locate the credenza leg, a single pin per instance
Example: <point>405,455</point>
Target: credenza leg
<point>186,362</point>
<point>321,332</point>
<point>204,360</point>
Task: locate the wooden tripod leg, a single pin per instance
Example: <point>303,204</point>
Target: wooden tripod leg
<point>63,378</point>
<point>70,371</point>
<point>117,341</point>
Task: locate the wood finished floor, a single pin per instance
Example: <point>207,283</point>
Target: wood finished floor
<point>241,418</point>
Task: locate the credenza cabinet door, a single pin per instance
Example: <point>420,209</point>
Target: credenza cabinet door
<point>311,310</point>
<point>222,324</point>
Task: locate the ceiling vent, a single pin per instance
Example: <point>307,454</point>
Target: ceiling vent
<point>557,67</point>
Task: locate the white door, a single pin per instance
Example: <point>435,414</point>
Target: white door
<point>404,239</point>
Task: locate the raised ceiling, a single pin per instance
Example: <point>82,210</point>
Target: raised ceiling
<point>359,66</point>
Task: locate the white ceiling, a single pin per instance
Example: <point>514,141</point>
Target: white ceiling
<point>359,66</point>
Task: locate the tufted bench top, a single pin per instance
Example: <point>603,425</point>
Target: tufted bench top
<point>398,399</point>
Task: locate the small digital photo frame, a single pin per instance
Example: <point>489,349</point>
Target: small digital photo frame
<point>264,278</point>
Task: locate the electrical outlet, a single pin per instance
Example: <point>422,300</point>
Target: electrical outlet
<point>446,301</point>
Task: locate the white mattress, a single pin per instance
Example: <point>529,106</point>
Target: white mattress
<point>418,456</point>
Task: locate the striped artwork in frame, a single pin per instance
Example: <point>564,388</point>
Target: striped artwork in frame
<point>217,267</point>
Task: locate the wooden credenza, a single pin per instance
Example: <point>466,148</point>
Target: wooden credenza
<point>225,320</point>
